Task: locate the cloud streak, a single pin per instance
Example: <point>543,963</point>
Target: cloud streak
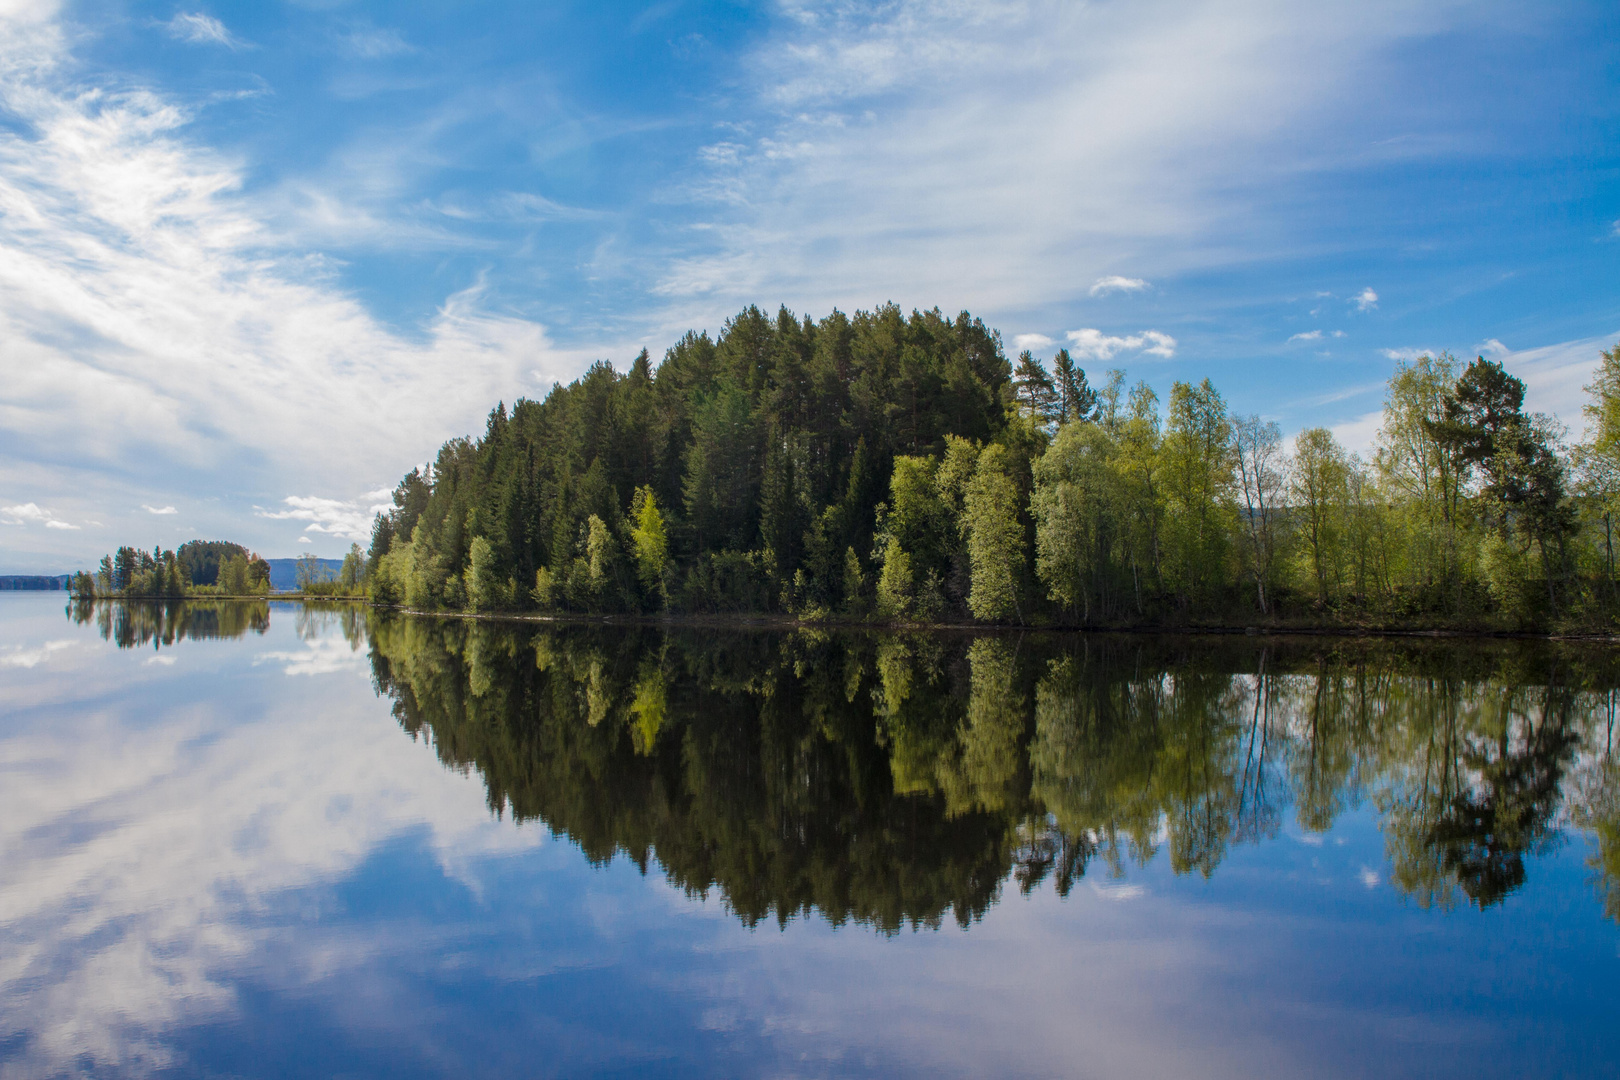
<point>196,28</point>
<point>899,152</point>
<point>1114,283</point>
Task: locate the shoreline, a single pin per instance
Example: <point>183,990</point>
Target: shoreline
<point>767,621</point>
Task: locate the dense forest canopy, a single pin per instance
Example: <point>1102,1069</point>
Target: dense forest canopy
<point>901,467</point>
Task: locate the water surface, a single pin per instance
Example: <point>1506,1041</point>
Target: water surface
<point>259,840</point>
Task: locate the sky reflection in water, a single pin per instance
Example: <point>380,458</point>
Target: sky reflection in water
<point>279,843</point>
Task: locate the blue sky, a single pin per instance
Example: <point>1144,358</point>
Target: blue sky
<point>256,260</point>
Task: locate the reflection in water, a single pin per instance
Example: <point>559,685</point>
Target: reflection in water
<point>133,625</point>
<point>890,779</point>
<point>136,624</point>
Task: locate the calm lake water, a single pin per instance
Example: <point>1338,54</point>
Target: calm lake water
<point>254,840</point>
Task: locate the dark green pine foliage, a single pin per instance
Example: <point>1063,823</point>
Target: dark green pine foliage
<point>766,450</point>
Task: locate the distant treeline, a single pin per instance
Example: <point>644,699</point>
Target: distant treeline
<point>33,582</point>
<point>212,568</point>
<point>901,468</point>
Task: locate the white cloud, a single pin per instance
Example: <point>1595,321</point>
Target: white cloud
<point>322,656</point>
<point>22,657</point>
<point>151,313</point>
<point>371,43</point>
<point>161,660</point>
<point>1408,353</point>
<point>996,154</point>
<point>1338,333</point>
<point>1369,877</point>
<point>199,29</point>
<point>1491,347</point>
<point>137,927</point>
<point>1309,335</point>
<point>1032,341</point>
<point>1092,344</point>
<point>32,514</point>
<point>348,519</point>
<point>1360,435</point>
<point>1555,377</point>
<point>159,509</point>
<point>1118,892</point>
<point>1366,300</point>
<point>1114,283</point>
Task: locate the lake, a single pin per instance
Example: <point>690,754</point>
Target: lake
<point>262,840</point>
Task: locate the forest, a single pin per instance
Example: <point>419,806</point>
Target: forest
<point>902,469</point>
<point>211,568</point>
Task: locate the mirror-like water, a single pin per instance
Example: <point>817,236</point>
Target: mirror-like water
<point>260,840</point>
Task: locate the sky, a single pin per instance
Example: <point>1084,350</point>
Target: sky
<point>258,260</point>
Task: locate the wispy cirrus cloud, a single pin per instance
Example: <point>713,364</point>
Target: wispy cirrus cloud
<point>995,154</point>
<point>1408,353</point>
<point>162,511</point>
<point>196,28</point>
<point>1308,335</point>
<point>1092,344</point>
<point>376,43</point>
<point>152,314</point>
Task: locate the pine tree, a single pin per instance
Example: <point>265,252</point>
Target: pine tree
<point>1076,401</point>
<point>1034,389</point>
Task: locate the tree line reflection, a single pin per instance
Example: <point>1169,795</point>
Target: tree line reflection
<point>894,779</point>
<point>135,625</point>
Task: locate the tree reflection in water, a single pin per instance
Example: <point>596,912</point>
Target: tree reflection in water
<point>137,624</point>
<point>890,779</point>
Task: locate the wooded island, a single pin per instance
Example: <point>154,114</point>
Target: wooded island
<point>900,469</point>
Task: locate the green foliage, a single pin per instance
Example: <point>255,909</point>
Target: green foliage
<point>995,536</point>
<point>896,589</point>
<point>486,591</point>
<point>650,541</point>
<point>1078,509</point>
<point>899,466</point>
<point>159,574</point>
<point>202,559</point>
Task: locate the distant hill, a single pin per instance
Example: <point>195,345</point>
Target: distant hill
<point>284,572</point>
<point>33,582</point>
